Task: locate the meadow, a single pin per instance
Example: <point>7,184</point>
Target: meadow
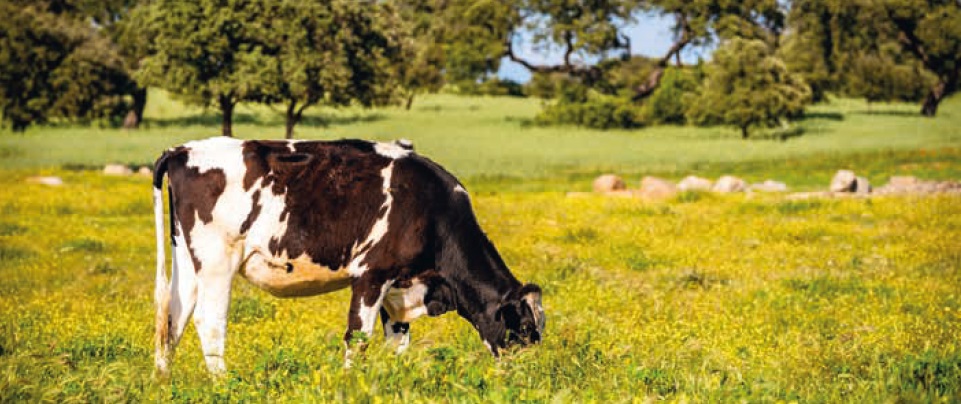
<point>698,298</point>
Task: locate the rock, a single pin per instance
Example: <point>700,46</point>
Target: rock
<point>694,183</point>
<point>51,181</point>
<point>770,186</point>
<point>728,184</point>
<point>145,171</point>
<point>656,188</point>
<point>116,169</point>
<point>843,181</point>
<point>608,183</point>
<point>862,186</point>
<point>903,181</point>
<point>914,186</point>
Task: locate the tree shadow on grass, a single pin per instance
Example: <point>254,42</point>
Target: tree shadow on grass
<point>888,112</point>
<point>242,118</point>
<point>828,116</point>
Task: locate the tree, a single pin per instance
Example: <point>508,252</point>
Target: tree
<point>931,31</point>
<point>747,86</point>
<point>53,64</point>
<point>206,51</point>
<point>423,55</point>
<point>334,53</point>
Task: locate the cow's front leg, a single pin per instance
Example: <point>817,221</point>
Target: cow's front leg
<point>366,299</point>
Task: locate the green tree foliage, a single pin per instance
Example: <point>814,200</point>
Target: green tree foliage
<point>205,51</point>
<point>422,69</point>
<point>55,65</point>
<point>298,53</point>
<point>883,50</point>
<point>931,31</point>
<point>332,53</point>
<point>747,86</point>
<point>669,103</point>
<point>576,104</point>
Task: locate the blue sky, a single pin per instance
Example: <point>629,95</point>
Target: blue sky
<point>650,36</point>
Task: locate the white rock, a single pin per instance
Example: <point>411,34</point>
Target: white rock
<point>51,181</point>
<point>843,181</point>
<point>694,183</point>
<point>116,169</point>
<point>770,186</point>
<point>656,188</point>
<point>862,186</point>
<point>145,171</point>
<point>608,183</point>
<point>729,184</point>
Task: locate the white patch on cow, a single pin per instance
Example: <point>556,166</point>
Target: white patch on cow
<point>291,143</point>
<point>377,231</point>
<point>460,189</point>
<point>221,152</point>
<point>489,347</point>
<point>405,305</point>
<point>391,150</point>
<point>368,319</point>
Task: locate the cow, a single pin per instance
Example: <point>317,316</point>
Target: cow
<point>302,218</point>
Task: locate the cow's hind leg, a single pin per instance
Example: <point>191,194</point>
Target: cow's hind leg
<point>396,333</point>
<point>365,303</point>
<point>213,300</point>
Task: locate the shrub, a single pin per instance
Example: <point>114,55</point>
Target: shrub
<point>576,105</point>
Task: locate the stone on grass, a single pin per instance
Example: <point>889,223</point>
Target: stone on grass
<point>843,181</point>
<point>46,180</point>
<point>116,169</point>
<point>656,188</point>
<point>769,186</point>
<point>608,183</point>
<point>145,171</point>
<point>862,186</point>
<point>694,183</point>
<point>729,184</point>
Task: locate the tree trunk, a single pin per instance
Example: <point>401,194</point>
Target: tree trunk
<point>291,121</point>
<point>744,133</point>
<point>931,102</point>
<point>227,110</point>
<point>410,101</point>
<point>135,115</point>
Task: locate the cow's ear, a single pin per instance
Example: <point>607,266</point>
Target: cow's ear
<point>531,296</point>
<point>439,298</point>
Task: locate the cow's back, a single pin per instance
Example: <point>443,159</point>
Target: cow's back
<point>308,214</point>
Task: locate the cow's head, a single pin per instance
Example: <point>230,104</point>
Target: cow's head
<point>522,316</point>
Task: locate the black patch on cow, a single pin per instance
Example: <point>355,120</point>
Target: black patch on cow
<point>194,194</point>
<point>335,194</point>
<point>254,213</point>
<point>400,328</point>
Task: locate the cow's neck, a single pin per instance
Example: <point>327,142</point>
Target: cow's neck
<point>482,282</point>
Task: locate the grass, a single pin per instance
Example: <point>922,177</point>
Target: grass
<point>486,141</point>
<point>699,298</point>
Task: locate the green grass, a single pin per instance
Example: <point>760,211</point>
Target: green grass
<point>699,298</point>
<point>486,141</point>
<point>713,299</point>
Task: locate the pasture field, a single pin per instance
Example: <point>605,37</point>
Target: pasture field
<point>697,298</point>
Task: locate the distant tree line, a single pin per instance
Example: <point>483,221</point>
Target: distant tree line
<point>85,60</point>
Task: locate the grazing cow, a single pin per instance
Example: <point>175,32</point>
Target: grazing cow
<point>305,218</point>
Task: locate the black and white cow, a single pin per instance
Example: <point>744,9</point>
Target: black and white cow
<point>310,217</point>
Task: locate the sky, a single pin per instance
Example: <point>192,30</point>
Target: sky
<point>650,36</point>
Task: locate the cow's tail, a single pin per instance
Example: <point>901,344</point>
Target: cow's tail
<point>162,286</point>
